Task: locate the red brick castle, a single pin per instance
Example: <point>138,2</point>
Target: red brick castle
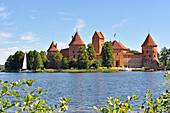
<point>147,58</point>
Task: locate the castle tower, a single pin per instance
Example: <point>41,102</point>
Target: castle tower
<point>52,48</point>
<point>149,52</point>
<point>98,42</point>
<point>74,46</point>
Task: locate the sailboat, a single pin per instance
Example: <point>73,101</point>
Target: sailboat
<point>24,66</point>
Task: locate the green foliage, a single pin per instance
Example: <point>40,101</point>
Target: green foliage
<point>64,64</point>
<point>34,60</point>
<point>107,55</point>
<point>14,62</point>
<point>150,105</point>
<point>164,55</point>
<point>44,57</point>
<point>30,101</point>
<point>83,61</point>
<point>55,59</point>
<point>91,52</point>
<point>117,106</point>
<point>73,63</point>
<point>132,51</point>
<point>96,64</point>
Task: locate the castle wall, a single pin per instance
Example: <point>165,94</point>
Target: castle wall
<point>73,52</point>
<point>133,62</point>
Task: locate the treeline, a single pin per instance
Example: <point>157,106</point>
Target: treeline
<point>164,56</point>
<point>85,59</point>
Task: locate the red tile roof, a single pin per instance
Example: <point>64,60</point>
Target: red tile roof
<point>76,40</point>
<point>149,41</point>
<point>118,45</point>
<point>53,47</point>
<point>100,35</point>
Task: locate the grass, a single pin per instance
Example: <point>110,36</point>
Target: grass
<point>81,70</point>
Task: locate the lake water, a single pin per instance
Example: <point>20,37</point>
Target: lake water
<point>88,89</point>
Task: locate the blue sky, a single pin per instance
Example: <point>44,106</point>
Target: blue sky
<point>33,24</point>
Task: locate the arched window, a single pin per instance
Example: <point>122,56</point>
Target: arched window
<point>73,51</point>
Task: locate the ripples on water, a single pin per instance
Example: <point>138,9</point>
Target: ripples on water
<point>88,89</point>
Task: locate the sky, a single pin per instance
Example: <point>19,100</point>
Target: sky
<point>33,24</point>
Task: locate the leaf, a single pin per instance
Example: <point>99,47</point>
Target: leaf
<point>165,84</point>
<point>95,108</point>
<point>39,90</point>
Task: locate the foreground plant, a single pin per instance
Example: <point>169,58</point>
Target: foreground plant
<point>150,105</point>
<point>30,101</point>
<point>117,106</point>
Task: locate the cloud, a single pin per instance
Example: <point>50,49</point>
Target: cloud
<point>79,25</point>
<point>29,37</point>
<point>5,35</point>
<point>34,11</point>
<point>2,8</point>
<point>119,25</point>
<point>62,45</point>
<point>6,24</point>
<point>32,17</point>
<point>5,14</point>
<point>12,42</point>
<point>5,52</point>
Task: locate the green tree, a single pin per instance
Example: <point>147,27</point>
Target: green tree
<point>107,55</point>
<point>55,59</point>
<point>44,58</point>
<point>34,60</point>
<point>64,64</point>
<point>96,64</point>
<point>164,55</point>
<point>73,63</point>
<point>91,52</point>
<point>132,51</point>
<point>14,62</point>
<point>83,61</point>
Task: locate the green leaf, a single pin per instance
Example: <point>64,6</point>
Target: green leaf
<point>39,90</point>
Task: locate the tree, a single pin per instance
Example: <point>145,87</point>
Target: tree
<point>44,58</point>
<point>96,64</point>
<point>55,59</point>
<point>64,64</point>
<point>164,55</point>
<point>34,60</point>
<point>73,63</point>
<point>83,61</point>
<point>14,62</point>
<point>132,51</point>
<point>107,55</point>
<point>91,52</point>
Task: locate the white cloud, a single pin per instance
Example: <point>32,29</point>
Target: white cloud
<point>80,24</point>
<point>5,14</point>
<point>29,37</point>
<point>62,45</point>
<point>120,24</point>
<point>7,24</point>
<point>2,8</point>
<point>11,42</point>
<point>5,52</point>
<point>32,17</point>
<point>5,35</point>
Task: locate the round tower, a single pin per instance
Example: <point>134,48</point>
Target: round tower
<point>149,52</point>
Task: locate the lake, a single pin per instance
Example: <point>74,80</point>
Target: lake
<point>88,89</point>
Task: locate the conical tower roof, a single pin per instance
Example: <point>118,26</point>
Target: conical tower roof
<point>99,34</point>
<point>149,41</point>
<point>52,47</point>
<point>118,45</point>
<point>76,40</point>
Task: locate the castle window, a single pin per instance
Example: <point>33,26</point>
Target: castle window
<point>149,55</point>
<point>147,51</point>
<point>73,51</point>
<point>73,56</point>
<point>153,51</point>
<point>154,56</point>
<point>117,53</point>
<point>144,56</point>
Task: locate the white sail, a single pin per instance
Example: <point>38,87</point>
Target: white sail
<point>24,66</point>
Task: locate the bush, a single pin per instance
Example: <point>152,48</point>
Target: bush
<point>30,101</point>
<point>96,64</point>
